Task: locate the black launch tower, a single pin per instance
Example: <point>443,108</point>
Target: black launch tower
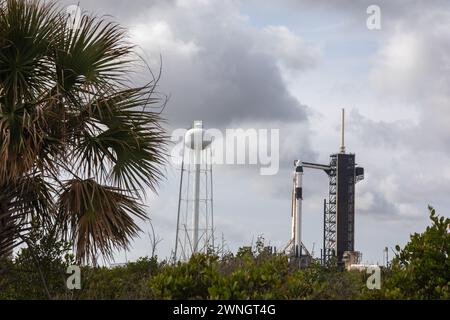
<point>339,211</point>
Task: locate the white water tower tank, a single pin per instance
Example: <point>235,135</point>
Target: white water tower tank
<point>197,135</point>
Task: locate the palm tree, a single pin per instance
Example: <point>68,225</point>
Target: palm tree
<point>78,142</point>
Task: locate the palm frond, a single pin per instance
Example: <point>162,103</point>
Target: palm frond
<point>123,132</point>
<point>27,30</point>
<point>97,218</point>
<point>93,54</point>
<point>23,201</point>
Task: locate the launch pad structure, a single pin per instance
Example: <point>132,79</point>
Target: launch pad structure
<point>195,227</point>
<point>339,209</point>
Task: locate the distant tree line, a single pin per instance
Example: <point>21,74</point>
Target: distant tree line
<point>420,270</point>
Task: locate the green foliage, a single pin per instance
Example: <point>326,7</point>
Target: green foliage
<point>189,280</point>
<point>122,282</point>
<point>419,271</point>
<point>39,270</point>
<point>250,277</point>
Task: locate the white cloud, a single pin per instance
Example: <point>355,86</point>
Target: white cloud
<point>158,38</point>
<point>399,65</point>
<point>366,200</point>
<point>289,49</point>
<point>412,67</point>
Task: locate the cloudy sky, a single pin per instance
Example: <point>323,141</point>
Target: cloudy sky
<point>292,65</point>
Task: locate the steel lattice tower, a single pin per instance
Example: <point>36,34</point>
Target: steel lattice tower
<point>195,218</point>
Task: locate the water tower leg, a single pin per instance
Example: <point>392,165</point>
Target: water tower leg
<point>196,202</point>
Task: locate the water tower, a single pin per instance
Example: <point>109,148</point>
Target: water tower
<point>195,220</point>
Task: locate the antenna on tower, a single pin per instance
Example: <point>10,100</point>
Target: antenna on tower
<point>342,149</point>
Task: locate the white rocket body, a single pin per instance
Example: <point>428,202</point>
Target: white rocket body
<point>297,215</point>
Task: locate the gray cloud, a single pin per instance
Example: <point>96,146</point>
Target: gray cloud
<point>215,66</point>
<point>412,67</point>
<point>399,9</point>
<point>403,175</point>
<point>228,76</point>
<point>124,11</point>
